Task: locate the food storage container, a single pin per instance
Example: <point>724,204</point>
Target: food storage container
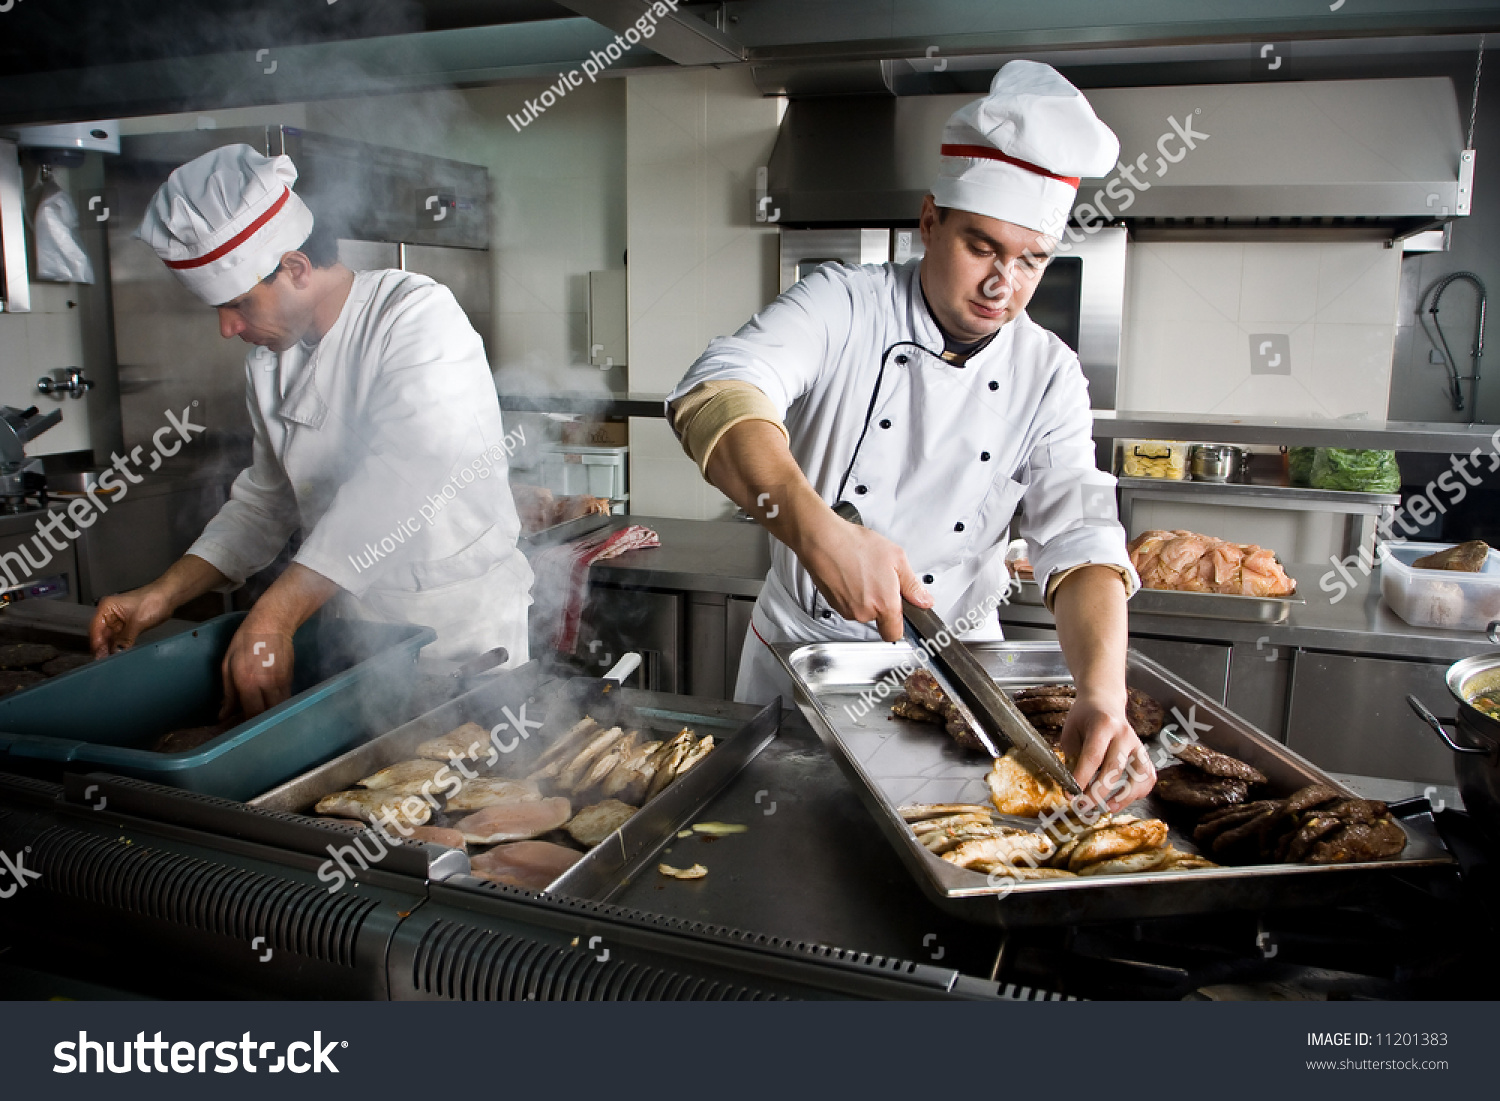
<point>352,680</point>
<point>1153,459</point>
<point>1453,599</point>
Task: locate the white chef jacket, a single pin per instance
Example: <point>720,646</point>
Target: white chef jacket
<point>936,457</point>
<point>385,434</point>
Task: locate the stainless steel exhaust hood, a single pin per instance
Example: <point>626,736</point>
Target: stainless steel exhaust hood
<point>1386,156</point>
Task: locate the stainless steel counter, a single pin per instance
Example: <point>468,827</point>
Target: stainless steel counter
<point>704,556</point>
<point>733,557</point>
<point>1360,623</point>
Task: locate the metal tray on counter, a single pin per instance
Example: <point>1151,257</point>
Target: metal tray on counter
<point>740,732</point>
<point>893,762</point>
<point>1238,609</point>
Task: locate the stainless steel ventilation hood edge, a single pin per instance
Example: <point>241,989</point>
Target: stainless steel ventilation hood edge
<point>1385,153</point>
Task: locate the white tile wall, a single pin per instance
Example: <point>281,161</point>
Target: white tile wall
<point>700,265</point>
<point>1192,306</point>
<point>559,207</point>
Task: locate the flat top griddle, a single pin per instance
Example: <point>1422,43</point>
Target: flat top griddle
<point>740,733</point>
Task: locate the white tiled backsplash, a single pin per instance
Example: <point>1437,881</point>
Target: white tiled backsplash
<point>1196,314</point>
<point>700,265</point>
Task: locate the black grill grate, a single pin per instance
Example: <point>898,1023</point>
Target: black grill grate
<point>183,890</point>
<point>891,964</point>
<point>462,963</point>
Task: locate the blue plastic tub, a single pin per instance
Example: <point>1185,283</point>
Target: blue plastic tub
<point>352,681</point>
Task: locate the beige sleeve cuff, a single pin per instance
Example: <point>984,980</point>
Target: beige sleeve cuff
<point>707,411</point>
<point>1062,575</point>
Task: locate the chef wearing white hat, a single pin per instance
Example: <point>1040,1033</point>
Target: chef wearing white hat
<point>925,395</point>
<point>377,434</point>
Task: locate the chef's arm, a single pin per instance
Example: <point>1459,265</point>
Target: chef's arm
<point>122,617</point>
<point>862,575</point>
<point>1089,607</point>
<point>257,668</point>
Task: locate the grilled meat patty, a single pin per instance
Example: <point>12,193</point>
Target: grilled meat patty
<point>1218,764</point>
<point>1315,825</point>
<point>23,655</point>
<point>1187,787</point>
<point>64,663</point>
<point>191,737</point>
<point>1144,713</point>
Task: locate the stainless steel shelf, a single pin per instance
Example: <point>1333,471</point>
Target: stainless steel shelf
<point>1295,498</point>
<point>1458,439</point>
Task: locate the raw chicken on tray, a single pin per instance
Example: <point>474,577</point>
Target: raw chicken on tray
<point>1188,562</point>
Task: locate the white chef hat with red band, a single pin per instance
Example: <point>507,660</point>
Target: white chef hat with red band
<point>223,221</point>
<point>1019,153</point>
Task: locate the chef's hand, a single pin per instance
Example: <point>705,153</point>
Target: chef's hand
<point>1113,767</point>
<point>861,574</point>
<point>122,618</point>
<point>257,670</point>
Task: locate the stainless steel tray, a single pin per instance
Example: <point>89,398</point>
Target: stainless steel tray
<point>1239,609</point>
<point>893,762</point>
<point>740,732</point>
<point>1242,609</point>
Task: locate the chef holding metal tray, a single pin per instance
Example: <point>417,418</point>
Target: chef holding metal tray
<point>924,395</point>
<point>371,402</point>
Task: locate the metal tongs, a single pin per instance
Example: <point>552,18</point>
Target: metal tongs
<point>988,711</point>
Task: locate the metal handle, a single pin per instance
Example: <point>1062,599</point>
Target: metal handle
<point>68,380</point>
<point>624,667</point>
<point>490,659</point>
<point>1432,720</point>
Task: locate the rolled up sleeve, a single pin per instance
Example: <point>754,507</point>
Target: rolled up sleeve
<point>1069,518</point>
<point>783,348</point>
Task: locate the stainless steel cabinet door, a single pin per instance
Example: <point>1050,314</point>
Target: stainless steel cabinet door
<point>1204,665</point>
<point>1349,714</point>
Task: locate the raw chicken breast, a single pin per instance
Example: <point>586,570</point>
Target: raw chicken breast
<point>514,820</point>
<point>1188,562</point>
<point>529,864</point>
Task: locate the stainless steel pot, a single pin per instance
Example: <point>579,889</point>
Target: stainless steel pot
<point>1478,764</point>
<point>1218,462</point>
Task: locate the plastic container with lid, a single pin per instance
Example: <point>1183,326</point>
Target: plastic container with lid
<point>1154,459</point>
<point>1452,599</point>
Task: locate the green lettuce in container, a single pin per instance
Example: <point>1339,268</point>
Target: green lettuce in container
<point>1356,471</point>
<point>1299,464</point>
